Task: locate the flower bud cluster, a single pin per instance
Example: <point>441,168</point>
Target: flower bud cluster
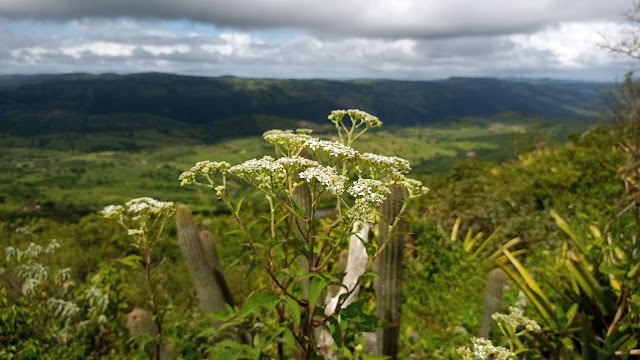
<point>484,349</point>
<point>204,168</point>
<point>516,319</point>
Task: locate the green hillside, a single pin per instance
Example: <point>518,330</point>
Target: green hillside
<point>215,108</point>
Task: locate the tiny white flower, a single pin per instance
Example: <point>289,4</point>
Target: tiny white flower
<point>327,176</point>
<point>148,205</point>
<point>369,193</point>
<point>515,319</point>
<point>332,148</point>
<point>205,168</point>
<point>386,163</point>
<point>112,211</point>
<point>483,349</point>
<point>260,172</point>
<point>368,119</point>
<point>293,143</point>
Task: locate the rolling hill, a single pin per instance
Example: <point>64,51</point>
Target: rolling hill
<point>209,109</point>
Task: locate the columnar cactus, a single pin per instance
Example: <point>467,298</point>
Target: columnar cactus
<point>492,302</point>
<point>389,265</point>
<point>201,267</point>
<point>211,251</point>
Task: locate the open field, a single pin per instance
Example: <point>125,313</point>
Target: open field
<point>84,181</point>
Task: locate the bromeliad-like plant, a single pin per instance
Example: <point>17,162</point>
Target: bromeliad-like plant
<point>588,302</point>
<point>299,250</point>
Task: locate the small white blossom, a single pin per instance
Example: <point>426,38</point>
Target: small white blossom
<point>205,168</point>
<point>515,319</point>
<point>336,116</point>
<point>386,163</point>
<point>289,141</point>
<point>148,205</point>
<point>368,119</point>
<point>332,148</point>
<point>296,163</point>
<point>260,172</point>
<point>327,176</point>
<point>483,349</point>
<point>369,193</point>
<point>113,211</point>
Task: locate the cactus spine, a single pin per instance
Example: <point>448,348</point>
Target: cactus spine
<point>202,268</point>
<point>492,302</point>
<point>389,265</point>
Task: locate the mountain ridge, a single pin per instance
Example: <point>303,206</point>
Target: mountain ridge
<point>43,104</point>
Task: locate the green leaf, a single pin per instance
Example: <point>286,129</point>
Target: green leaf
<point>634,271</point>
<point>238,206</point>
<point>317,285</point>
<point>263,300</point>
<point>336,331</point>
<point>133,261</point>
<point>295,310</point>
<point>376,357</point>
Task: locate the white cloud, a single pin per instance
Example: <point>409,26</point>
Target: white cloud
<point>402,39</point>
<point>100,48</point>
<point>166,49</point>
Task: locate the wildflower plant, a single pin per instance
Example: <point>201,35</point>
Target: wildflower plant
<point>144,220</point>
<point>308,173</point>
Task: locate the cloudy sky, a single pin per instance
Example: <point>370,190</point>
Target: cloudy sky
<point>337,39</point>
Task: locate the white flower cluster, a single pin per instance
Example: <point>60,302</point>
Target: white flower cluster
<point>369,193</point>
<point>147,205</point>
<point>260,172</point>
<point>356,117</point>
<point>327,176</point>
<point>206,168</point>
<point>392,164</point>
<point>295,164</point>
<point>292,142</point>
<point>336,116</point>
<point>114,212</point>
<point>332,148</point>
<point>515,319</point>
<point>365,117</point>
<point>483,349</point>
